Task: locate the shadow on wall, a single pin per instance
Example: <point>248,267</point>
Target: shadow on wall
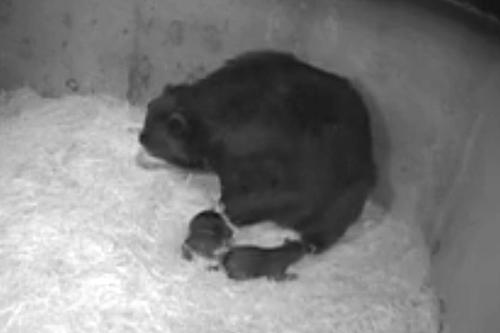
<point>384,191</point>
<point>6,12</point>
<point>140,71</point>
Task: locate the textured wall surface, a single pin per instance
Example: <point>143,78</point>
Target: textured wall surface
<point>467,268</point>
<point>428,73</point>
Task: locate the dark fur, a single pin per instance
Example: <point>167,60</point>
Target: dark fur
<point>249,262</point>
<point>208,232</point>
<point>289,142</point>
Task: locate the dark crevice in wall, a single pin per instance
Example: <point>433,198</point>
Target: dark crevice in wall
<point>140,67</point>
<point>491,7</point>
<point>455,11</point>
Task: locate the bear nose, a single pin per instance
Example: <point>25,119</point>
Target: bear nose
<point>143,138</point>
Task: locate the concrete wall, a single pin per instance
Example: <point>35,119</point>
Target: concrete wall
<point>467,269</point>
<point>428,71</point>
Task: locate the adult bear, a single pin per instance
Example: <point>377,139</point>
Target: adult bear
<point>290,142</point>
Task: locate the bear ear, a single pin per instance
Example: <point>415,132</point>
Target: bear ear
<point>174,89</point>
<point>177,124</point>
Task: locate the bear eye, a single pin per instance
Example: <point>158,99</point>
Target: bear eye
<point>176,124</point>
